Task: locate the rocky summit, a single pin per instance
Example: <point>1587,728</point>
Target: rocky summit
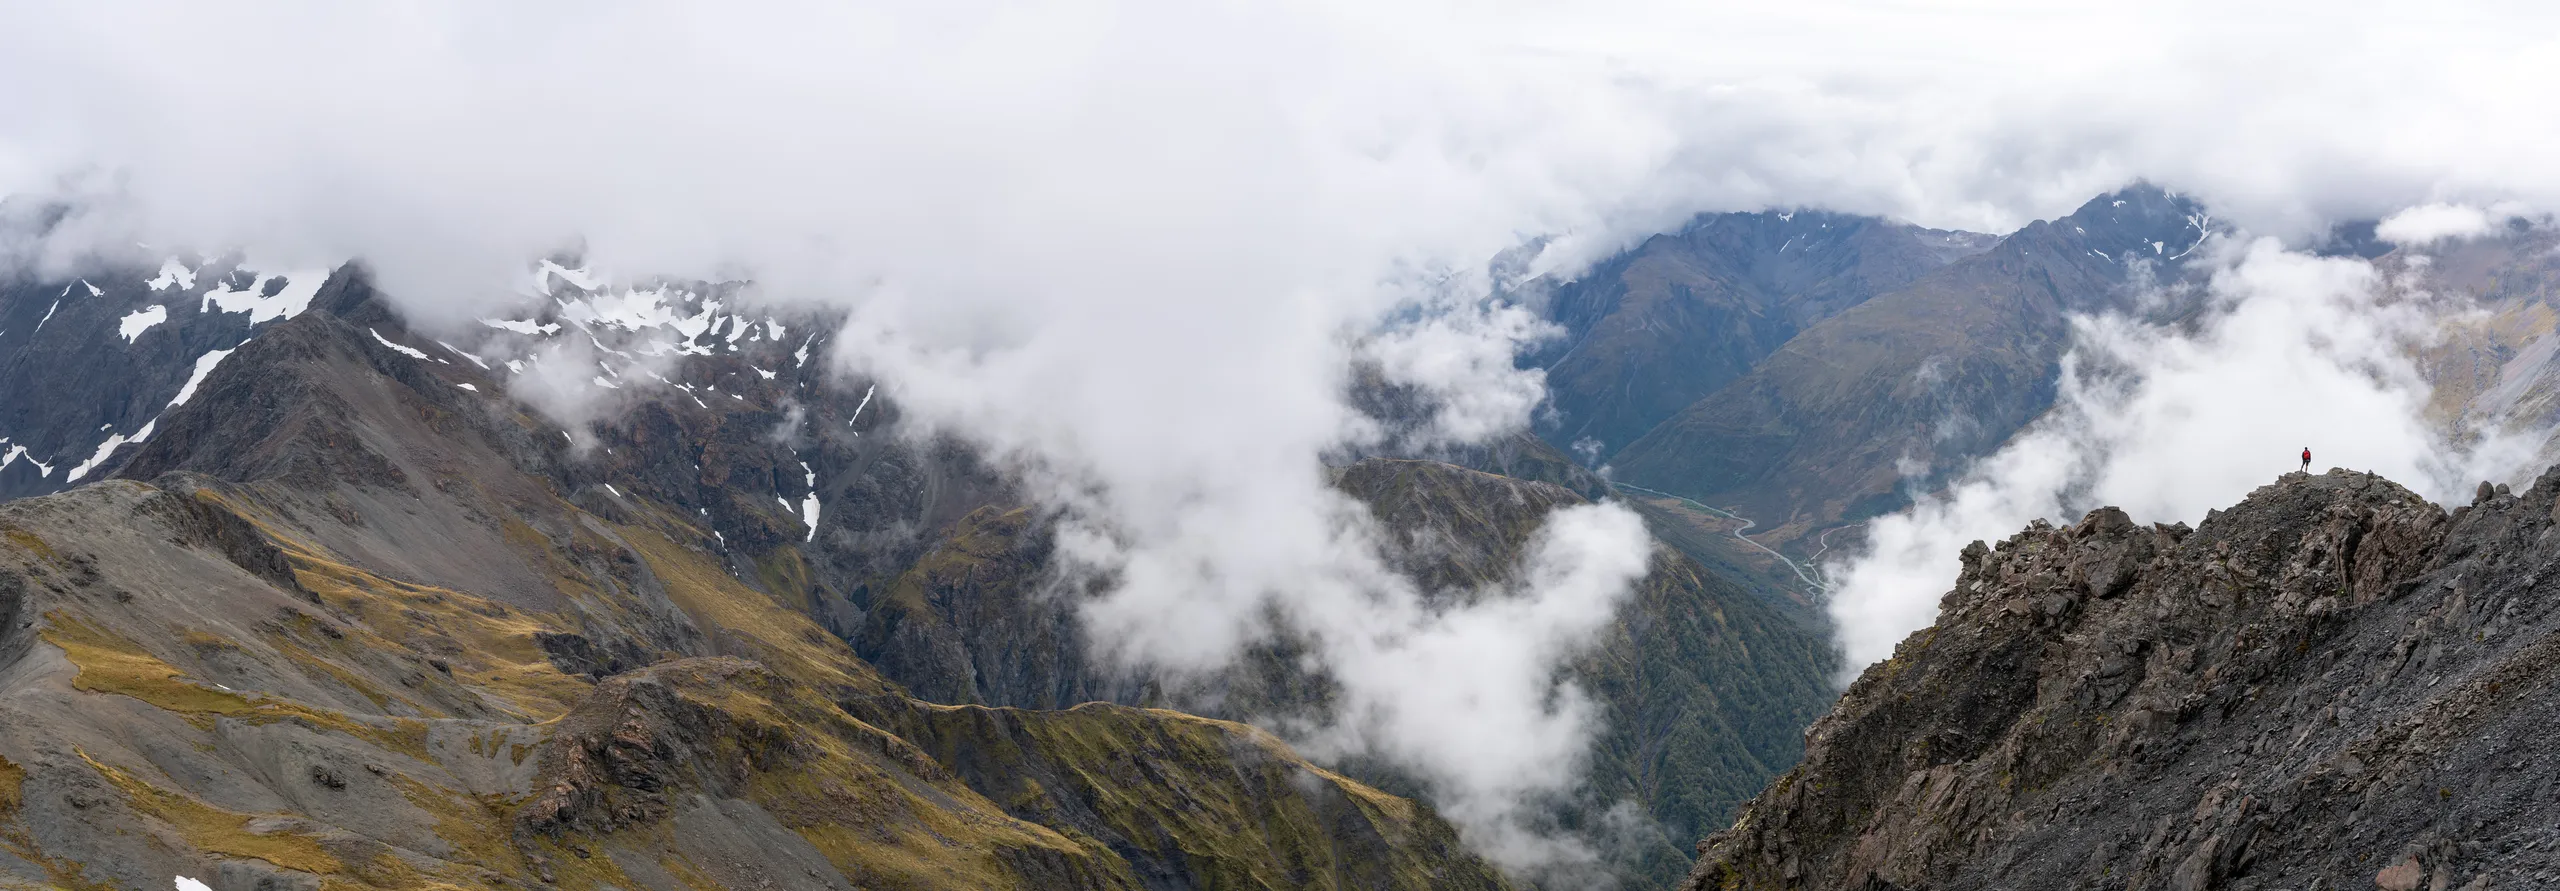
<point>2334,684</point>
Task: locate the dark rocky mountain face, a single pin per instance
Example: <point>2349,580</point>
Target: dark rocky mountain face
<point>1684,314</point>
<point>90,364</point>
<point>1938,371</point>
<point>2333,684</point>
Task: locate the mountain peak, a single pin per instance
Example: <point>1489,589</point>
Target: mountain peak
<point>2139,222</point>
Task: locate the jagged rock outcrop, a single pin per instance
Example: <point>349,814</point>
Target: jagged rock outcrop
<point>2334,684</point>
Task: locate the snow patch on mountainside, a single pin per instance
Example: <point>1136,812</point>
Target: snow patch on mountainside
<point>141,320</point>
<point>268,297</point>
<point>107,448</point>
<point>809,505</point>
<point>411,352</point>
<point>16,452</point>
<point>521,327</point>
<point>204,366</point>
<point>173,274</point>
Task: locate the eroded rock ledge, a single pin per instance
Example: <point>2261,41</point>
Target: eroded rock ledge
<point>2333,684</point>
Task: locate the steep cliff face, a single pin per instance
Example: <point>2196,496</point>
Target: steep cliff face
<point>2334,684</point>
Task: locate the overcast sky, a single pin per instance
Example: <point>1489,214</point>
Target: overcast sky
<point>1130,247</point>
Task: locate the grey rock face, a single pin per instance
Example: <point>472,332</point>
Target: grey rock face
<point>2333,684</point>
<point>89,363</point>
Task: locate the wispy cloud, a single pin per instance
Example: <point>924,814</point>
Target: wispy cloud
<point>2293,352</point>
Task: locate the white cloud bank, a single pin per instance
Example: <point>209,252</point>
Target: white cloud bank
<point>1133,245</point>
<point>2295,351</point>
<point>1132,250</point>
<point>2430,223</point>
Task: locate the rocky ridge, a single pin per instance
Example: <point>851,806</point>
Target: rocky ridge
<point>2333,684</point>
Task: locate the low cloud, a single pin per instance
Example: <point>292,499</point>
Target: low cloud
<point>1467,698</point>
<point>2430,223</point>
<point>2168,422</point>
<point>1132,248</point>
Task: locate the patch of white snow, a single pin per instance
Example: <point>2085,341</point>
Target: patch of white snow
<point>141,320</point>
<point>174,273</point>
<point>866,403</point>
<point>204,366</point>
<point>411,352</point>
<point>522,327</point>
<point>289,300</point>
<point>475,360</point>
<point>18,451</point>
<point>114,441</point>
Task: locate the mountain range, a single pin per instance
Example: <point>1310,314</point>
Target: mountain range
<point>412,574</point>
<point>1813,386</point>
<point>295,596</point>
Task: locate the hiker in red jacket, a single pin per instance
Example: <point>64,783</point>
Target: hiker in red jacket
<point>2306,459</point>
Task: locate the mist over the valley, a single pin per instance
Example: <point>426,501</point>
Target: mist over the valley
<point>1134,252</point>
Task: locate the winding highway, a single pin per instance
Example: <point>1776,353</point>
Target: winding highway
<point>1811,579</point>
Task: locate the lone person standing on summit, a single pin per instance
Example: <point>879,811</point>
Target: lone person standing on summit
<point>2306,459</point>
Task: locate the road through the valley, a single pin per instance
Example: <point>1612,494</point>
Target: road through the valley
<point>1811,578</point>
